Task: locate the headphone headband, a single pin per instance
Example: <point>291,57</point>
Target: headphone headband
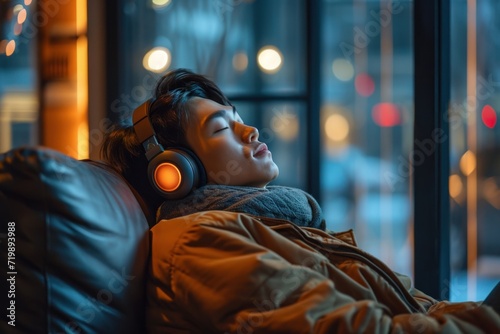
<point>144,130</point>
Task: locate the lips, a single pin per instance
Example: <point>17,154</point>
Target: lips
<point>261,149</point>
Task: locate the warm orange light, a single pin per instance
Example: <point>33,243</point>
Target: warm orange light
<point>10,47</point>
<point>167,177</point>
<point>455,186</point>
<point>468,163</point>
<point>337,127</point>
<point>21,16</point>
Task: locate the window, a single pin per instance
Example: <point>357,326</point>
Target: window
<point>475,147</point>
<point>360,107</point>
<point>18,92</point>
<point>366,122</point>
<point>254,50</point>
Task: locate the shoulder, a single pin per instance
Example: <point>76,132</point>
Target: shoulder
<point>226,231</point>
<point>171,233</point>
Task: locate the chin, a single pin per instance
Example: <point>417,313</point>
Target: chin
<point>275,177</point>
<point>276,173</point>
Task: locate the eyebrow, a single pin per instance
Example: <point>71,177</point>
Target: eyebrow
<point>216,114</point>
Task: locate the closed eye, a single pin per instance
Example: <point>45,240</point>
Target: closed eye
<point>221,129</point>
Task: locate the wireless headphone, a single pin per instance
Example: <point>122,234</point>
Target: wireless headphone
<point>173,172</point>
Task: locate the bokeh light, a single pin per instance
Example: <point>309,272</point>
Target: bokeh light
<point>364,84</point>
<point>386,114</point>
<point>10,48</point>
<point>240,61</point>
<point>285,125</point>
<point>468,163</point>
<point>17,8</point>
<point>18,29</point>
<point>157,59</point>
<point>489,116</point>
<point>455,186</point>
<point>342,69</point>
<point>160,3</point>
<point>337,128</point>
<point>21,16</point>
<point>269,59</point>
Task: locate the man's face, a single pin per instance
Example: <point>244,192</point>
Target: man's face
<point>229,150</point>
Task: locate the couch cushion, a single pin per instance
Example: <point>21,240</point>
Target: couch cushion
<point>79,246</point>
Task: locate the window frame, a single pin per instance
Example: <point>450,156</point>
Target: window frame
<point>431,24</point>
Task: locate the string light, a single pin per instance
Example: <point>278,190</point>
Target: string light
<point>20,14</point>
<point>10,48</point>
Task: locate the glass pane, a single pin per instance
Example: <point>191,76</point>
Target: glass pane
<point>367,127</point>
<point>475,148</point>
<point>18,92</point>
<point>221,39</point>
<point>279,125</point>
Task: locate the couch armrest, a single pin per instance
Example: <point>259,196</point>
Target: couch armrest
<point>79,246</point>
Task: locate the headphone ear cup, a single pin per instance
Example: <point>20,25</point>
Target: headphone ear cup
<point>195,161</point>
<point>174,173</point>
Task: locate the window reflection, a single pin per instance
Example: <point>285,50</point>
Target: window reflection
<point>367,111</point>
<point>280,126</point>
<point>223,40</point>
<point>18,94</point>
<point>474,161</point>
<point>254,50</point>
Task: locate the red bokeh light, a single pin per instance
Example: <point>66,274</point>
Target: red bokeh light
<point>489,116</point>
<point>386,114</point>
<point>364,84</point>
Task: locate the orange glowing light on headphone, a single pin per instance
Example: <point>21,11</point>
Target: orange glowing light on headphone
<point>168,177</point>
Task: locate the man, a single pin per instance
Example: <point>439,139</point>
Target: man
<point>235,255</point>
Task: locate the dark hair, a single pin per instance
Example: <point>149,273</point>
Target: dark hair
<point>170,109</point>
<point>169,114</point>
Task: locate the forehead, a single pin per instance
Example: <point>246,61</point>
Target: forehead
<point>200,109</point>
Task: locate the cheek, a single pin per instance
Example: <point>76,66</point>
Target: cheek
<point>213,158</point>
<point>217,154</point>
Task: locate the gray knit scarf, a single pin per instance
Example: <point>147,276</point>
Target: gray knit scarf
<point>281,202</point>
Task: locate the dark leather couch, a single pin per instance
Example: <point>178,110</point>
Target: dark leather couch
<point>73,246</point>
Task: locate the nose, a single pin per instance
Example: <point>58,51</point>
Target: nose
<point>249,133</point>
